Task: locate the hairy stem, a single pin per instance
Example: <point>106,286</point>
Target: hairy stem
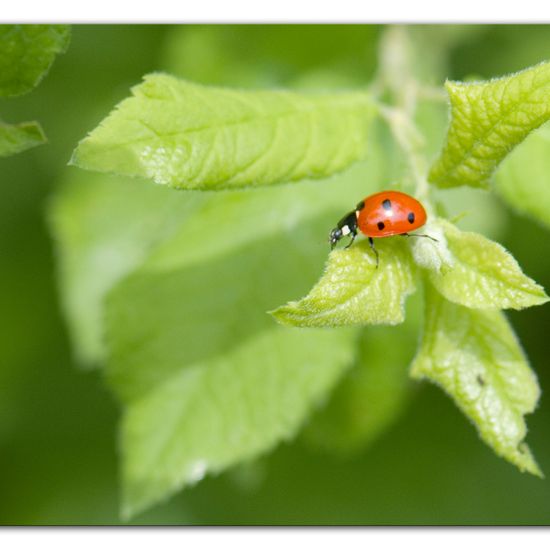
<point>395,75</point>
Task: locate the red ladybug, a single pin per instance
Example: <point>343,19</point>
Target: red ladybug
<point>381,215</point>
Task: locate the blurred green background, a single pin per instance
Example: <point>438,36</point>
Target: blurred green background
<point>58,444</point>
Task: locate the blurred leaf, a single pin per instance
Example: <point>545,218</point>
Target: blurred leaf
<point>266,56</point>
<point>483,274</point>
<point>104,227</point>
<point>488,120</point>
<point>196,137</point>
<point>372,395</point>
<point>433,45</point>
<point>26,54</point>
<point>475,357</point>
<point>523,179</point>
<point>224,409</point>
<point>476,209</point>
<point>215,238</point>
<point>207,378</point>
<point>352,291</point>
<point>15,138</point>
<point>500,49</point>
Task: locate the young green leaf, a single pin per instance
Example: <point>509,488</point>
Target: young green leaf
<point>103,229</point>
<point>475,357</point>
<point>190,136</point>
<point>372,394</point>
<point>483,274</point>
<point>26,54</point>
<point>15,138</point>
<point>488,120</point>
<point>523,179</point>
<point>352,291</point>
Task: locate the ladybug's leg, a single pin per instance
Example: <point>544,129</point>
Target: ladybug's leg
<point>417,235</point>
<point>353,235</point>
<point>371,242</point>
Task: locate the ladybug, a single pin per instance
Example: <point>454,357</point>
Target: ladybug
<point>381,215</point>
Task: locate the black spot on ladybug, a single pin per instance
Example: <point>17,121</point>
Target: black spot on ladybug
<point>380,225</point>
<point>410,217</point>
<point>386,203</point>
<point>360,206</point>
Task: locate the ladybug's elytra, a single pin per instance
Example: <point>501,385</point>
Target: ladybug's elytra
<point>381,215</point>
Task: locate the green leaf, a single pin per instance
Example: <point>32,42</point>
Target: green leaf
<point>26,54</point>
<point>207,378</point>
<point>488,120</point>
<point>218,411</point>
<point>475,357</point>
<point>104,227</point>
<point>352,291</point>
<point>372,395</point>
<point>523,179</point>
<point>197,137</point>
<point>483,274</point>
<point>15,138</point>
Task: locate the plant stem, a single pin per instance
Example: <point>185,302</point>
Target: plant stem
<point>395,75</point>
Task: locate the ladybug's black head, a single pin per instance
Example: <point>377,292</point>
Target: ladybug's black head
<point>335,235</point>
<point>346,226</point>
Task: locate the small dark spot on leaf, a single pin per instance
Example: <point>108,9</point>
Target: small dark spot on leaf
<point>480,380</point>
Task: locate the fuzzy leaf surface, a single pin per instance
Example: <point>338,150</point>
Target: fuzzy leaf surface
<point>475,357</point>
<point>26,54</point>
<point>483,275</point>
<point>488,119</point>
<point>352,291</point>
<point>15,138</point>
<point>191,136</point>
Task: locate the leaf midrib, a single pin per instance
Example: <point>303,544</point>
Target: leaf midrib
<point>261,117</point>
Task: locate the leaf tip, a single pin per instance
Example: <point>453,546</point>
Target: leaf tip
<point>73,161</point>
<point>286,315</point>
<point>543,298</point>
<point>449,86</point>
<point>527,462</point>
